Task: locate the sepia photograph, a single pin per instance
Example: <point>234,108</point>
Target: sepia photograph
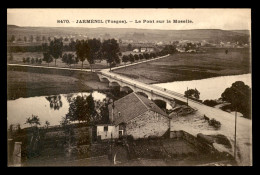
<point>129,87</point>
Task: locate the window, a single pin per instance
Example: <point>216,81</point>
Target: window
<point>105,128</point>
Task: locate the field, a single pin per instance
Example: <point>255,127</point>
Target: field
<point>23,82</point>
<point>18,59</point>
<point>191,66</point>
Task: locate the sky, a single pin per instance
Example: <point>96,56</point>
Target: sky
<point>226,19</point>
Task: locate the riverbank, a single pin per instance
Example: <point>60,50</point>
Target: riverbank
<point>191,66</point>
<point>24,82</point>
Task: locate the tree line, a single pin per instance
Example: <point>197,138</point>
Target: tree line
<point>90,50</point>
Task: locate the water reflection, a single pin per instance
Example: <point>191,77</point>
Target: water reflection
<point>48,108</point>
<point>55,102</point>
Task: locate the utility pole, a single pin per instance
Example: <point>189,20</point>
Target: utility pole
<point>187,97</point>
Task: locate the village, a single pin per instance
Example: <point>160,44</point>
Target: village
<point>102,96</point>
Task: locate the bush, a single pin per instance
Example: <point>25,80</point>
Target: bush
<point>24,60</point>
<point>216,124</point>
<point>210,103</point>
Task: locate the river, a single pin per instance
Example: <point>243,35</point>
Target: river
<point>209,88</point>
<point>20,109</point>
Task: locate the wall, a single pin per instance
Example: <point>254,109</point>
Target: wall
<point>107,134</point>
<point>192,140</point>
<point>147,124</point>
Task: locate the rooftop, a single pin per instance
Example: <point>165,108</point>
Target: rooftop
<point>131,106</point>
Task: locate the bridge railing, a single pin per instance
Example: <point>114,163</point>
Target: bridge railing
<point>154,87</point>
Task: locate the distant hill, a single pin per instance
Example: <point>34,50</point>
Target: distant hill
<point>242,31</point>
<point>211,35</point>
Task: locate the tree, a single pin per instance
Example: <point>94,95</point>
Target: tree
<point>55,101</point>
<point>136,57</point>
<point>104,112</point>
<point>47,58</point>
<point>239,95</point>
<point>125,59</point>
<point>45,47</point>
<point>33,121</point>
<point>31,38</point>
<point>68,131</point>
<point>68,59</point>
<point>81,109</point>
<point>12,39</point>
<point>38,38</point>
<point>28,60</point>
<point>192,93</point>
<point>82,50</point>
<point>94,46</point>
<point>146,56</point>
<point>141,56</point>
<point>43,38</point>
<point>72,45</point>
<point>56,48</point>
<point>110,50</point>
<point>131,58</point>
<point>129,47</point>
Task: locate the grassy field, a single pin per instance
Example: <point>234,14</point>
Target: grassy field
<point>190,66</point>
<point>18,59</point>
<point>38,82</point>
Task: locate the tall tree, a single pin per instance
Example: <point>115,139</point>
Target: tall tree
<point>94,46</point>
<point>56,48</point>
<point>141,56</point>
<point>136,57</point>
<point>110,50</point>
<point>81,109</point>
<point>239,95</point>
<point>82,50</point>
<point>31,38</point>
<point>125,59</point>
<point>131,58</point>
<point>69,59</point>
<point>129,47</point>
<point>47,57</point>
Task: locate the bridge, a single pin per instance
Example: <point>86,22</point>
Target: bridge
<point>244,126</point>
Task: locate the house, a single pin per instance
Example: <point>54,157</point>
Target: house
<point>146,49</point>
<point>136,50</point>
<point>134,115</point>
